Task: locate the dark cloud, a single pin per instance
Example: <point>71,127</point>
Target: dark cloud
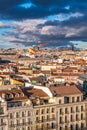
<point>11,9</point>
<point>6,4</point>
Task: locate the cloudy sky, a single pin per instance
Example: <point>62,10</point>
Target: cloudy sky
<point>25,23</point>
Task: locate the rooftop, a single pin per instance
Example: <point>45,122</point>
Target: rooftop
<point>66,90</point>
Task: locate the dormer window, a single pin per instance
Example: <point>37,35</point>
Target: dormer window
<point>6,96</point>
<point>11,96</point>
<point>16,95</point>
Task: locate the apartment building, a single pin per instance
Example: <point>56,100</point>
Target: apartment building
<point>36,109</point>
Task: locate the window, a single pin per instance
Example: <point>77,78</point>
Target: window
<point>71,118</point>
<point>48,125</point>
<point>48,110</point>
<point>23,121</point>
<point>17,115</point>
<point>53,125</point>
<point>77,109</point>
<point>37,119</point>
<point>61,111</point>
<point>77,127</point>
<point>28,128</point>
<point>48,117</point>
<point>82,125</point>
<point>61,119</point>
<point>1,110</point>
<point>61,128</point>
<point>73,100</point>
<point>18,122</point>
<point>77,117</point>
<point>42,111</point>
<point>66,99</point>
<point>1,121</point>
<point>53,116</point>
<point>82,117</point>
<point>29,121</point>
<point>60,101</point>
<point>78,98</point>
<point>29,114</point>
<point>53,109</point>
<point>72,110</point>
<point>11,115</point>
<point>65,119</point>
<point>23,114</point>
<point>37,127</point>
<point>43,117</point>
<point>37,112</point>
<point>11,123</point>
<point>42,127</point>
<point>82,108</point>
<point>66,110</point>
<point>71,127</point>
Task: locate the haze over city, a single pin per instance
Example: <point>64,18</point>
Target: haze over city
<point>30,22</point>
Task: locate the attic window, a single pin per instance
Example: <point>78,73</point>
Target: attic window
<point>6,96</point>
<point>11,96</point>
<point>16,95</point>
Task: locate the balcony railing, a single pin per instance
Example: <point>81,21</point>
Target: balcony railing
<point>46,120</point>
<point>62,122</point>
<point>78,110</point>
<point>62,113</point>
<point>20,124</point>
<point>73,111</point>
<point>2,124</point>
<point>73,120</point>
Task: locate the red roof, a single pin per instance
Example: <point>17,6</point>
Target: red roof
<point>66,90</point>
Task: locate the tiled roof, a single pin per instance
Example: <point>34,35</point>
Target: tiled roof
<point>23,94</point>
<point>66,90</point>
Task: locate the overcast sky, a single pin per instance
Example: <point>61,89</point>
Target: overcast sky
<point>25,23</point>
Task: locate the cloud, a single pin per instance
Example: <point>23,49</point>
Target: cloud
<point>24,9</point>
<point>3,25</point>
<point>56,33</point>
<point>37,21</point>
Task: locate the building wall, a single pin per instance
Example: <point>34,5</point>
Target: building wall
<point>59,115</point>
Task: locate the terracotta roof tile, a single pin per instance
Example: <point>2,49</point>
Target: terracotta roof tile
<point>27,93</point>
<point>66,90</point>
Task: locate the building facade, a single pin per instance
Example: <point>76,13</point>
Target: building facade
<point>33,109</point>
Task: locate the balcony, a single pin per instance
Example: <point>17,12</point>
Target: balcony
<point>2,124</point>
<point>20,124</point>
<point>73,111</point>
<point>67,121</point>
<point>78,119</point>
<point>62,113</point>
<point>83,118</point>
<point>78,110</point>
<point>67,112</point>
<point>39,121</point>
<point>82,110</point>
<point>62,122</point>
<point>73,120</point>
<point>46,120</point>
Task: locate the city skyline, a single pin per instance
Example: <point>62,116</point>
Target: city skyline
<point>25,23</point>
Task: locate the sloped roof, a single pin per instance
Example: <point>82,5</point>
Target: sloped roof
<point>66,90</point>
